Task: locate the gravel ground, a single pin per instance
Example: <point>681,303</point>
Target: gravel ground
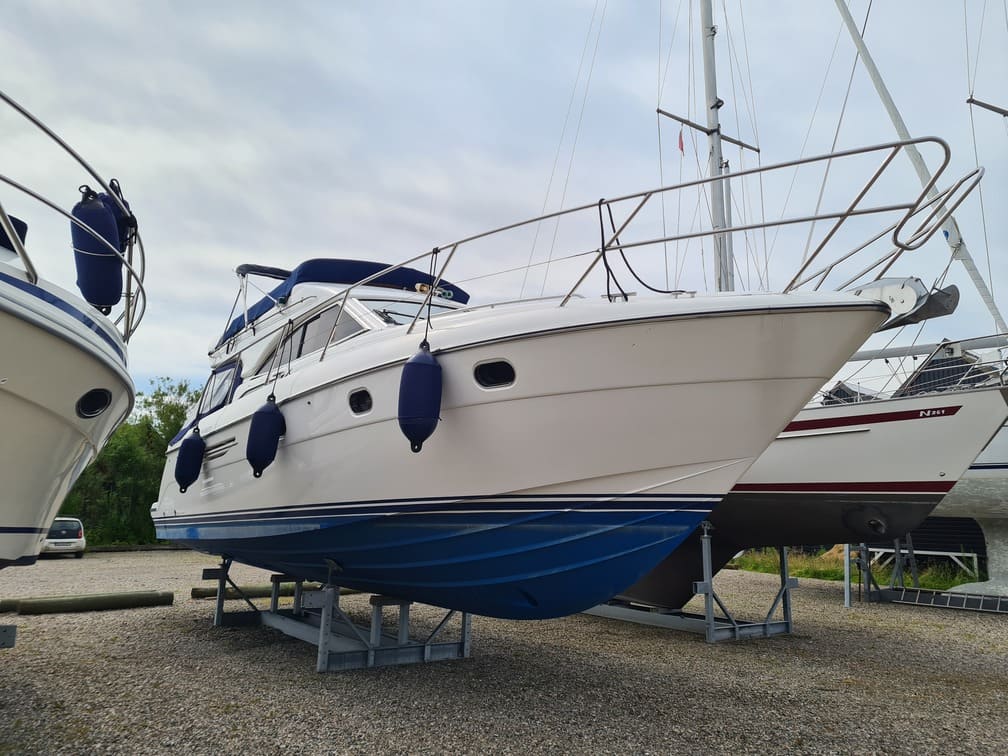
<point>871,679</point>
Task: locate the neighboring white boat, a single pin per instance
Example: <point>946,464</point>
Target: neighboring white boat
<point>982,493</point>
<point>841,473</point>
<point>846,472</point>
<point>64,385</point>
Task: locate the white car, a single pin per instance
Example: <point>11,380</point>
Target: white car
<point>65,536</point>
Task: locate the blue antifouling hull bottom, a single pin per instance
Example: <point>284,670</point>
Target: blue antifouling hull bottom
<point>505,558</point>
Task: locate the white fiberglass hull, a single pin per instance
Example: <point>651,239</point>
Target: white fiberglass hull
<point>982,493</point>
<point>843,473</point>
<point>55,349</point>
<point>612,404</point>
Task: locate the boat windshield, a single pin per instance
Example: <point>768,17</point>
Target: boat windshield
<point>398,312</point>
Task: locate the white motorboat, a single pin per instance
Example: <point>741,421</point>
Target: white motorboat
<point>64,385</point>
<point>577,444</point>
<point>579,441</point>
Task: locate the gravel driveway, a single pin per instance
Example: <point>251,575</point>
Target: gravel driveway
<point>871,679</point>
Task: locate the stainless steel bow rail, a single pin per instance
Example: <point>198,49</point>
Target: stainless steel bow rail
<point>134,258</point>
<point>917,219</point>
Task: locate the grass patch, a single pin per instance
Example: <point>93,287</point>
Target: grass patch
<point>828,565</point>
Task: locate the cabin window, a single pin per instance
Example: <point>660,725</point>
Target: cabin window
<point>360,401</point>
<point>311,337</point>
<point>220,388</point>
<point>316,331</point>
<point>496,374</point>
<point>401,312</point>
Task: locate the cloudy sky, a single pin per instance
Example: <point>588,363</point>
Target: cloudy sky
<point>276,132</point>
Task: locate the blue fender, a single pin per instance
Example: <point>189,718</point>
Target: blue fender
<point>420,397</point>
<point>265,430</point>
<point>189,460</point>
<point>99,269</point>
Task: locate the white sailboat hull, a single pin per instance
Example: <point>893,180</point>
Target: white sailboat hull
<point>55,350</point>
<point>843,473</point>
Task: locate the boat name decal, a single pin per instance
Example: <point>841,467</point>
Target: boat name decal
<point>870,418</point>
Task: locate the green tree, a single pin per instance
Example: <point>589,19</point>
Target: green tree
<point>114,494</point>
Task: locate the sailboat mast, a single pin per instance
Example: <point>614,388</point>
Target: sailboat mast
<point>723,264</point>
<point>950,228</point>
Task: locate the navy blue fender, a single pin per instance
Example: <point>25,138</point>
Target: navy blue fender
<point>189,460</point>
<point>265,430</point>
<point>420,397</point>
<point>99,269</point>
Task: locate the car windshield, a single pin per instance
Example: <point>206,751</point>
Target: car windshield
<point>401,313</point>
<point>64,529</point>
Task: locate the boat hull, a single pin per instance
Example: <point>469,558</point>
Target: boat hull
<point>551,494</point>
<point>840,474</point>
<point>982,493</point>
<point>54,353</point>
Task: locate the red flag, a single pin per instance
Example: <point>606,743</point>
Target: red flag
<point>681,148</point>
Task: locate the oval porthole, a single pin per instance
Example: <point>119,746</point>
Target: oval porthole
<point>495,374</point>
<point>360,401</point>
<point>93,403</point>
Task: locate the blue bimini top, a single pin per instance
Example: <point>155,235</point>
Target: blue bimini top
<point>326,270</point>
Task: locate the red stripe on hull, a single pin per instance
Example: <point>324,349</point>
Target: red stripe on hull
<point>940,487</point>
<point>868,419</point>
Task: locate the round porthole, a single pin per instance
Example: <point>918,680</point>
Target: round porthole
<point>93,403</point>
<point>360,401</point>
<point>495,374</point>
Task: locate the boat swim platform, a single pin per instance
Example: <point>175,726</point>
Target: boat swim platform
<point>317,618</point>
<point>713,626</point>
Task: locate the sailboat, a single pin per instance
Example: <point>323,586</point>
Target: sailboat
<point>64,384</point>
<point>983,489</point>
<point>848,469</point>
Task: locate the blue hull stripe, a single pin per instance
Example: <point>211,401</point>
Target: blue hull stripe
<point>64,306</point>
<point>519,557</point>
<point>508,503</point>
<point>37,531</point>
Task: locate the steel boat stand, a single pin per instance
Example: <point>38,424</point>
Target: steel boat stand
<point>897,592</point>
<point>714,627</point>
<point>317,618</point>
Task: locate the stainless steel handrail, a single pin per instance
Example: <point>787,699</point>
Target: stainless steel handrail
<point>983,372</point>
<point>135,301</point>
<point>940,208</point>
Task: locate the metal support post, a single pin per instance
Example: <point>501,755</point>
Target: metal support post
<point>786,584</point>
<point>846,576</point>
<point>222,580</point>
<point>325,628</point>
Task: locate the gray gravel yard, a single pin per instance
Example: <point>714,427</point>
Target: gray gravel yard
<point>872,679</point>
